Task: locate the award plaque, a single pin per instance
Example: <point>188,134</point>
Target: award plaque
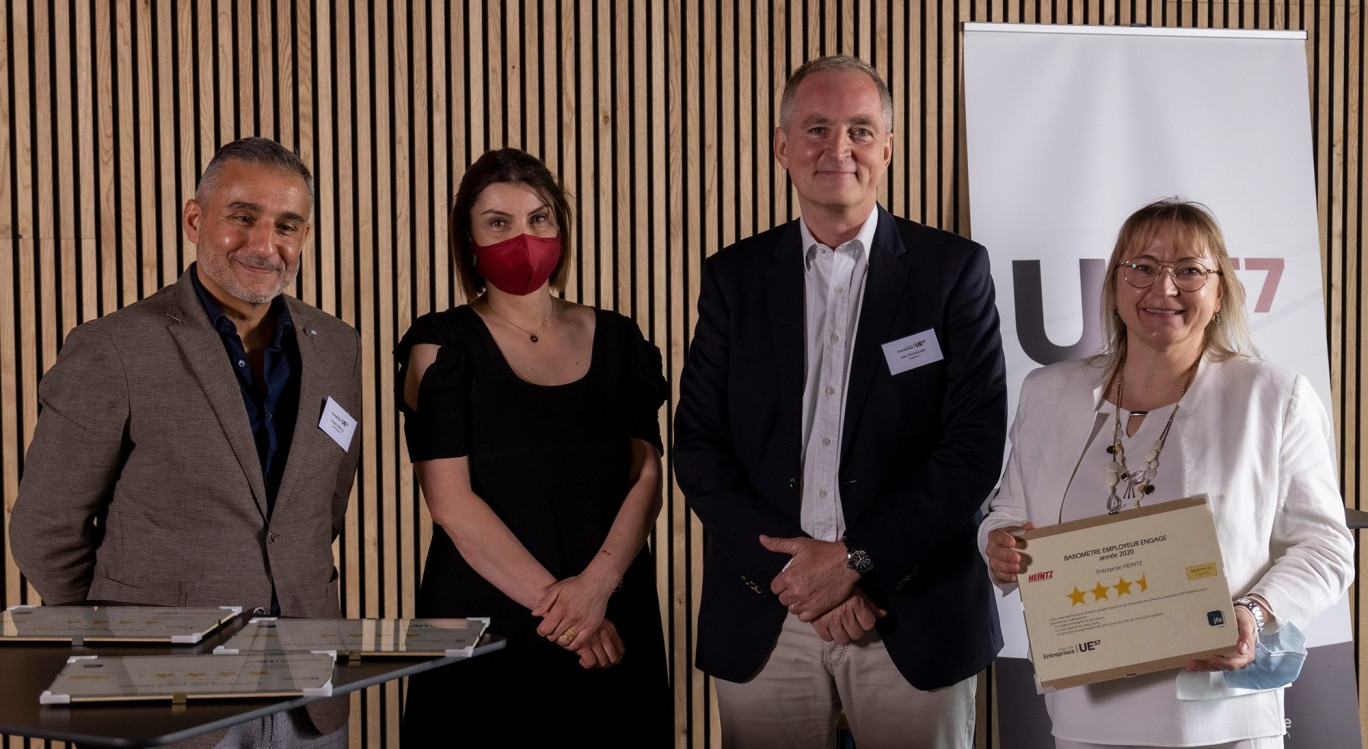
<point>1119,595</point>
<point>81,624</point>
<point>353,638</point>
<point>177,678</point>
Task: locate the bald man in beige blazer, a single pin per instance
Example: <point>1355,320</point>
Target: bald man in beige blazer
<point>198,448</point>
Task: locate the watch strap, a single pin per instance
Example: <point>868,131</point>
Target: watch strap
<point>1255,609</point>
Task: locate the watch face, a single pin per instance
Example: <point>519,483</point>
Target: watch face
<point>859,561</point>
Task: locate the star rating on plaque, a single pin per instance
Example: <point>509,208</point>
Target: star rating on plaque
<point>1100,592</point>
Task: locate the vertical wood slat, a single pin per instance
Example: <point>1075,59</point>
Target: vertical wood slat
<point>148,222</point>
<point>10,442</point>
<point>181,77</point>
<point>40,271</point>
<point>162,225</point>
<point>124,130</point>
<point>658,117</point>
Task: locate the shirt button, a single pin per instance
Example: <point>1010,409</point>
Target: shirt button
<point>268,415</point>
<point>826,442</point>
<point>822,494</point>
<point>242,362</point>
<point>272,536</point>
<point>839,289</point>
<point>830,390</point>
<point>835,338</point>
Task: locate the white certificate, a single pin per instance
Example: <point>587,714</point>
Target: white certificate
<point>1118,595</point>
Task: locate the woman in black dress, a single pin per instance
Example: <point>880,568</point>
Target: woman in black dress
<point>532,424</point>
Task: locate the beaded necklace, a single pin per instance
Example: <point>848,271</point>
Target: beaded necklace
<point>1140,481</point>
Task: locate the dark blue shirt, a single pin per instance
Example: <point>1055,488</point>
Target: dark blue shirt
<point>272,400</point>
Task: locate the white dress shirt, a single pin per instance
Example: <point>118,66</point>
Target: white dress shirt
<point>833,293</point>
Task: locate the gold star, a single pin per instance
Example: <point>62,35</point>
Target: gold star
<point>1099,592</point>
<point>1123,587</point>
<point>1143,585</point>
<point>1077,596</point>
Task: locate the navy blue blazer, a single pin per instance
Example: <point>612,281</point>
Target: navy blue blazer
<point>920,450</point>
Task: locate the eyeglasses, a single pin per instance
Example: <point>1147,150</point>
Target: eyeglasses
<point>1188,275</point>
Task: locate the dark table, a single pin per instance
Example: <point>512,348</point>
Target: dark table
<point>26,669</point>
<point>1357,519</point>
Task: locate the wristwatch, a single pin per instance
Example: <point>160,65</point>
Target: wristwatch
<point>1254,608</point>
<point>857,558</point>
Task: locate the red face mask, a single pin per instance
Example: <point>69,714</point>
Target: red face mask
<point>518,266</point>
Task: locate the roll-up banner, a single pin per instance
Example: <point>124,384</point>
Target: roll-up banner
<point>1070,129</point>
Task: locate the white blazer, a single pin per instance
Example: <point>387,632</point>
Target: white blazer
<point>1252,436</point>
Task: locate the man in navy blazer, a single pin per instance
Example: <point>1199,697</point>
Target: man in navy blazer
<point>841,419</point>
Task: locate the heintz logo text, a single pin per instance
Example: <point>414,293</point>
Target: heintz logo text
<point>1046,575</point>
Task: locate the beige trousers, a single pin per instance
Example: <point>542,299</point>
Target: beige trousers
<point>806,684</point>
<point>1267,743</point>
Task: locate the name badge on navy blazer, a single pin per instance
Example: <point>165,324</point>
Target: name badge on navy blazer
<point>916,350</point>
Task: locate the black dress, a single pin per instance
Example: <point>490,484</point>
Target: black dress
<point>552,462</point>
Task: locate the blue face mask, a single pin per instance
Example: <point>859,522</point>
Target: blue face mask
<point>1278,658</point>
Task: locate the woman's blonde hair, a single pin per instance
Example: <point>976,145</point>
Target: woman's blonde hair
<point>1191,225</point>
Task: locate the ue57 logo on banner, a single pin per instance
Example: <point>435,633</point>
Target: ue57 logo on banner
<point>1030,309</point>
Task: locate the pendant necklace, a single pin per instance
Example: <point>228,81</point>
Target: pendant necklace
<point>531,334</point>
<point>1140,481</point>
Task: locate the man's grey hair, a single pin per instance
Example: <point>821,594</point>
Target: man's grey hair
<point>257,152</point>
<point>834,63</point>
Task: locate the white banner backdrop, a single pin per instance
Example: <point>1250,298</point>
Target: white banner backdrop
<point>1071,128</point>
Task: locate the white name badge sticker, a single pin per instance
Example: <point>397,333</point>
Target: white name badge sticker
<point>916,350</point>
<point>337,423</point>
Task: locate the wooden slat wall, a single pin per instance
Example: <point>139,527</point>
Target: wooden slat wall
<point>657,116</point>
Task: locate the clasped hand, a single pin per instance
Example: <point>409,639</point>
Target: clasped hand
<point>572,614</point>
<point>816,579</point>
<point>850,620</point>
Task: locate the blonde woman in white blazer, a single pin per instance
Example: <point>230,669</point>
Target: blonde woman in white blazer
<point>1179,375</point>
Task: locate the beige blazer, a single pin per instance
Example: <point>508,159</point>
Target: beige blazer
<point>142,483</point>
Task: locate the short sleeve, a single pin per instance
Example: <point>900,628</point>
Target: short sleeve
<point>645,386</point>
<point>439,427</point>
